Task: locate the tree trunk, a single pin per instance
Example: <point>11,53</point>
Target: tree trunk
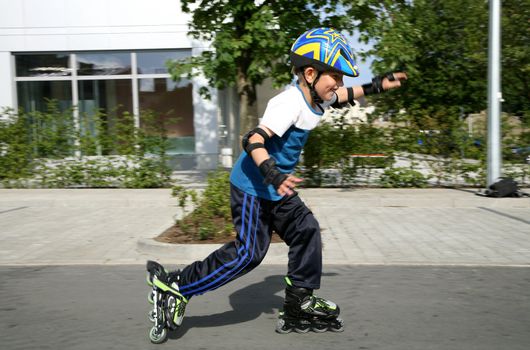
<point>248,107</point>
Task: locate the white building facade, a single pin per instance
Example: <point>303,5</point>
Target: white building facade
<point>108,55</point>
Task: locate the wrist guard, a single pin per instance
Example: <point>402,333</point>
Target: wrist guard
<point>351,99</point>
<point>376,86</point>
<point>272,176</point>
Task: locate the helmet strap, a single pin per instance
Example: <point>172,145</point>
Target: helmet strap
<point>314,96</point>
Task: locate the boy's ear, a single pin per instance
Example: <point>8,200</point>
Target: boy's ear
<point>309,74</point>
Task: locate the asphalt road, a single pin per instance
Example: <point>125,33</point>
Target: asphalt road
<point>383,307</point>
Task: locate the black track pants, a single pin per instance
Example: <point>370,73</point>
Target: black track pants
<point>254,220</point>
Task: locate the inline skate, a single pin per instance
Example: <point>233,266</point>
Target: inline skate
<point>168,304</point>
<point>303,311</point>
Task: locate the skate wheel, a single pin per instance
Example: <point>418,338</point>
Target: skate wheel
<point>302,326</point>
<point>281,328</point>
<point>149,280</point>
<point>157,338</point>
<point>337,326</point>
<point>151,316</point>
<point>301,330</point>
<point>319,328</point>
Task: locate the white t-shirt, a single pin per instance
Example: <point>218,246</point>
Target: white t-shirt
<point>290,108</point>
<point>291,118</point>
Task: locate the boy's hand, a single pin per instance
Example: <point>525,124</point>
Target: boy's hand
<point>392,84</point>
<point>287,186</point>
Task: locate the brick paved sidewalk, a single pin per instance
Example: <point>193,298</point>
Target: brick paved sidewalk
<point>363,226</point>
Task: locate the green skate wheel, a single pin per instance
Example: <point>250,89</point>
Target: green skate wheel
<point>157,338</point>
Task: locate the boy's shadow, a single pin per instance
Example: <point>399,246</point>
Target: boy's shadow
<point>247,304</point>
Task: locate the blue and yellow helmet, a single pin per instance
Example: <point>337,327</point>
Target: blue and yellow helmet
<point>325,49</point>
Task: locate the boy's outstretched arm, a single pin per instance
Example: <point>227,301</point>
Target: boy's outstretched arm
<point>284,183</point>
<point>379,84</point>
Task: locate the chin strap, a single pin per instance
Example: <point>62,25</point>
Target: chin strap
<point>314,96</point>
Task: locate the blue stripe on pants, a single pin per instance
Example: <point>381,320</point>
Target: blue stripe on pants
<point>184,288</point>
<point>251,229</point>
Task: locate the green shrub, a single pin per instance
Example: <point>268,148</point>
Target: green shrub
<point>45,149</point>
<point>450,151</point>
<point>403,177</point>
<point>211,216</point>
<point>331,145</point>
<point>149,173</point>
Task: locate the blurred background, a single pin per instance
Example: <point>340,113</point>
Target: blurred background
<point>126,93</point>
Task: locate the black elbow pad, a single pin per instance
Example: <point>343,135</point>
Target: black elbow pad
<point>249,147</point>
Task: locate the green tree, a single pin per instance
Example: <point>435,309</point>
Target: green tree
<point>443,45</point>
<point>516,58</point>
<point>250,41</point>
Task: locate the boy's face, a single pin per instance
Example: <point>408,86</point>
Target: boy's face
<point>327,84</point>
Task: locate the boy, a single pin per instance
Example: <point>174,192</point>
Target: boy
<point>263,197</point>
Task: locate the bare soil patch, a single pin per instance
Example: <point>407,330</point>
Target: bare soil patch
<point>175,235</point>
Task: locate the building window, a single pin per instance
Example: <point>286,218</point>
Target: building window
<point>45,65</point>
<point>35,95</point>
<point>101,104</point>
<point>112,96</point>
<point>174,102</point>
<point>103,63</point>
<point>112,83</point>
<point>154,62</point>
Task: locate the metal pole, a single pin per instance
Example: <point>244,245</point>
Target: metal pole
<point>494,93</point>
<point>75,104</point>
